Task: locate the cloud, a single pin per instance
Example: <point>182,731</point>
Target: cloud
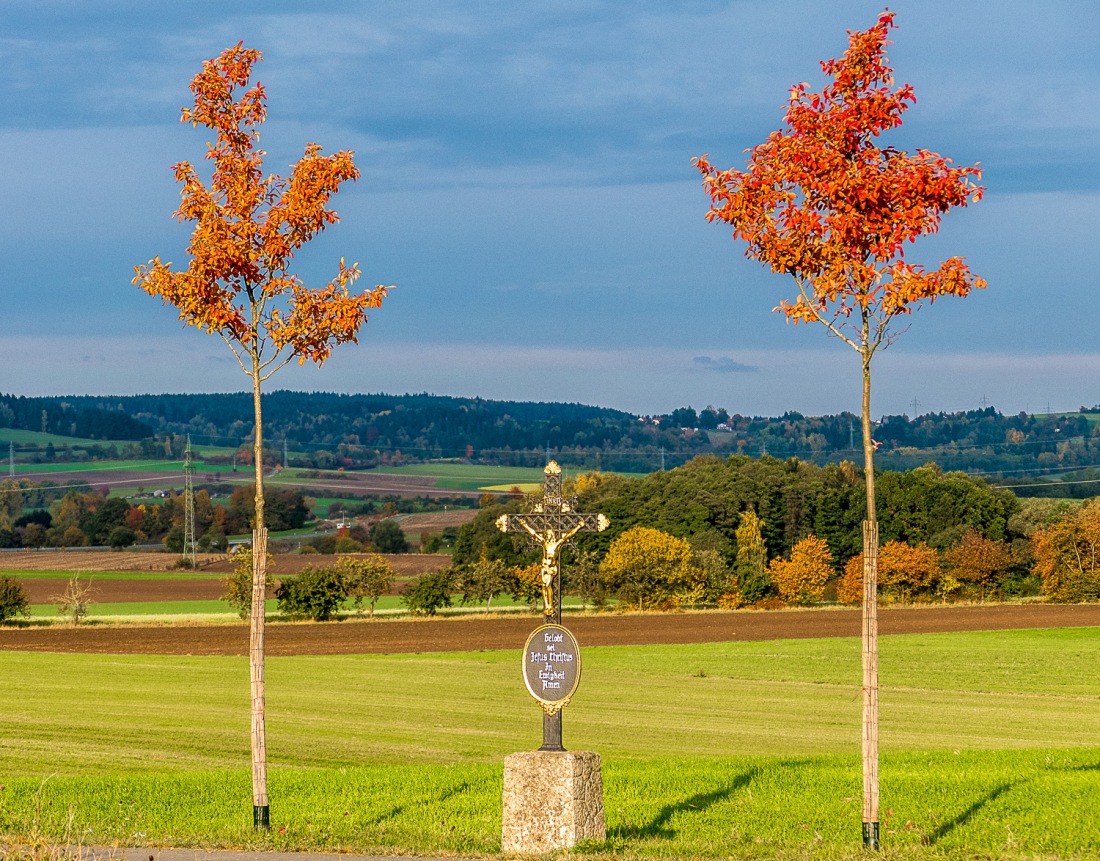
<point>724,365</point>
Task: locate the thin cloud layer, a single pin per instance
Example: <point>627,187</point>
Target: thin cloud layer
<point>527,178</point>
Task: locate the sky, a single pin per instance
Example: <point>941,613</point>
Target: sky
<point>527,188</point>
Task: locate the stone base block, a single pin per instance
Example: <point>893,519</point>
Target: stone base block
<point>552,800</point>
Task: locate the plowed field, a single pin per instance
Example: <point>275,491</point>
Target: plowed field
<point>365,637</point>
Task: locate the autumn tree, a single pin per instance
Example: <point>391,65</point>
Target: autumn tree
<point>1067,555</point>
<point>238,283</point>
<point>650,568</point>
<point>802,578</point>
<point>978,563</point>
<point>905,572</point>
<point>821,201</point>
<point>751,566</point>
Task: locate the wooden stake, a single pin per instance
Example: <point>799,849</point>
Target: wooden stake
<point>870,685</point>
<point>256,676</point>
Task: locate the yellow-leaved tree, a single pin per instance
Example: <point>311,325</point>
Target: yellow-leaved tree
<point>650,568</point>
<point>802,578</point>
<point>238,284</point>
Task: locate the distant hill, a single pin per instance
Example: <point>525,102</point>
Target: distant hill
<point>1035,454</point>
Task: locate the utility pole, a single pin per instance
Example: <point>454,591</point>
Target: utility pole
<point>284,453</point>
<point>188,505</point>
<point>11,459</point>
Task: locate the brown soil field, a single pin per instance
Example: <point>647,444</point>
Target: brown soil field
<point>205,586</point>
<point>437,521</point>
<point>96,560</point>
<point>445,635</point>
<point>403,564</point>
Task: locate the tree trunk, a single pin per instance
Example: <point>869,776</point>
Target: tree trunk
<point>260,809</point>
<point>870,620</point>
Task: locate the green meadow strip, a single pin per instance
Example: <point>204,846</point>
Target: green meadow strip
<point>1000,804</point>
<point>990,748</point>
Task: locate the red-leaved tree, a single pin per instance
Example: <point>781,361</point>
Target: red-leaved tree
<point>238,284</point>
<point>821,201</point>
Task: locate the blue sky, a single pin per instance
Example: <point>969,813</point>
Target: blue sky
<point>527,187</point>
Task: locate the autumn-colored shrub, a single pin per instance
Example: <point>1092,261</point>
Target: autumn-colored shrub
<point>904,573</point>
<point>527,584</point>
<point>849,588</point>
<point>752,583</point>
<point>978,562</point>
<point>802,578</point>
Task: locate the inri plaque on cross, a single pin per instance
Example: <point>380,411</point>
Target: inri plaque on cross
<point>551,659</point>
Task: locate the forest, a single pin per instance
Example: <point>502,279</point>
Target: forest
<point>1036,455</point>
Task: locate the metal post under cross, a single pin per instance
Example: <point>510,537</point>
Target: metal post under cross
<point>551,525</point>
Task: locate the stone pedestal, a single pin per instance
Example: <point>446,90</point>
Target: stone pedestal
<point>552,800</point>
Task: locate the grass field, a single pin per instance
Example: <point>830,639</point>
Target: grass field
<point>990,747</point>
<point>22,437</point>
<point>467,476</point>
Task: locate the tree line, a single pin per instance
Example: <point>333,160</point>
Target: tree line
<point>69,517</point>
<point>739,531</point>
<point>1038,455</point>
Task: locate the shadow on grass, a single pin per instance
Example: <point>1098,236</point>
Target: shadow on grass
<point>658,825</point>
<point>1092,767</point>
<point>963,818</point>
<point>433,798</point>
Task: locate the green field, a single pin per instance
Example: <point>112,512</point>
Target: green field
<point>24,437</point>
<point>990,748</point>
<point>468,476</point>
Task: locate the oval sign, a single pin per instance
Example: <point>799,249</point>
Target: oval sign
<point>551,665</point>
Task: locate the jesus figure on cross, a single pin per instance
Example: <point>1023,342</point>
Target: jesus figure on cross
<point>551,524</point>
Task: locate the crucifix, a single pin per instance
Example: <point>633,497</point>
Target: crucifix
<point>551,525</point>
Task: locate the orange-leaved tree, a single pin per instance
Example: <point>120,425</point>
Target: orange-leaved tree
<point>238,283</point>
<point>821,201</point>
<point>1067,555</point>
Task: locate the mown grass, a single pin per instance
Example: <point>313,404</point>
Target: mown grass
<point>990,804</point>
<point>990,747</point>
<point>468,476</point>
